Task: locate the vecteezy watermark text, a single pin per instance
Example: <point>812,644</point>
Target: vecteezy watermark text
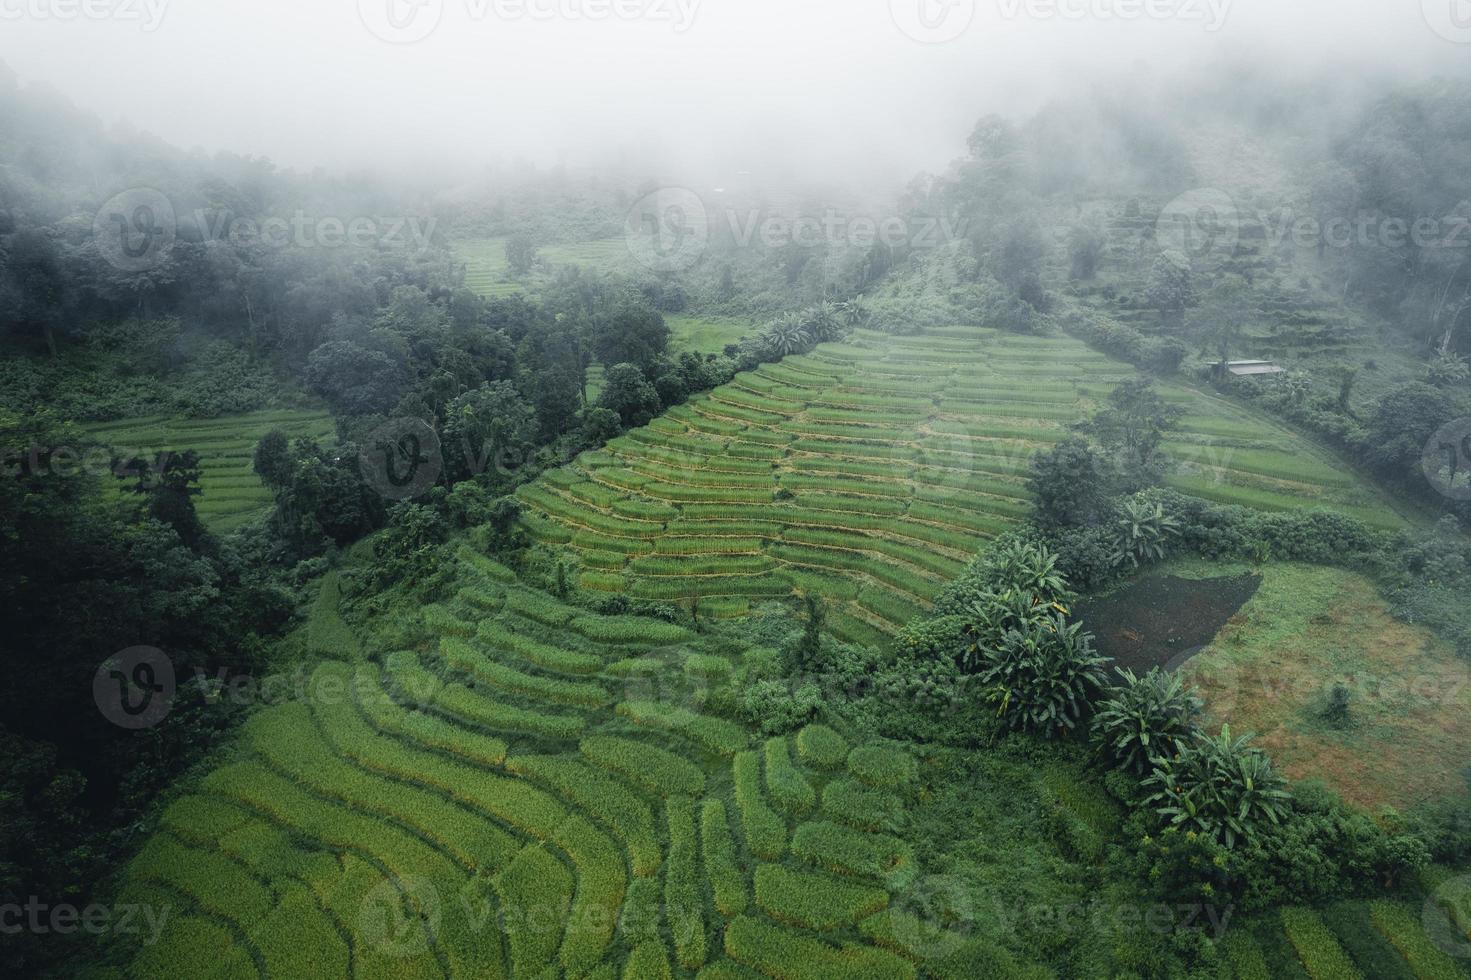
<point>939,21</point>
<point>670,229</point>
<point>125,919</point>
<point>302,230</point>
<point>1207,220</point>
<point>409,21</point>
<point>135,230</point>
<point>147,13</point>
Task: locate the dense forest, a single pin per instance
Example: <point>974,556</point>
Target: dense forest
<point>1071,581</point>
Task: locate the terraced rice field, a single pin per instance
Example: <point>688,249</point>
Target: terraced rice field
<point>233,494</point>
<point>487,274</point>
<point>1379,940</point>
<point>530,792</point>
<point>871,471</point>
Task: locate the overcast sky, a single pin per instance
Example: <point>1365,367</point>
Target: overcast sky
<point>870,88</point>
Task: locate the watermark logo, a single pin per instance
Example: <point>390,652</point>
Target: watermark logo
<point>1200,222</point>
<point>410,21</point>
<point>1451,19</point>
<point>135,689</point>
<point>1447,460</point>
<point>135,230</point>
<point>1211,14</point>
<point>835,228</point>
<point>147,13</point>
<point>668,230</point>
<point>401,21</point>
<point>933,21</point>
<point>1446,917</point>
<point>933,917</point>
<point>398,916</point>
<point>302,230</point>
<point>401,459</point>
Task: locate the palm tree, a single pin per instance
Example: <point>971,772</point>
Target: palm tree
<point>1142,530</point>
<point>854,312</point>
<point>822,322</point>
<point>788,335</point>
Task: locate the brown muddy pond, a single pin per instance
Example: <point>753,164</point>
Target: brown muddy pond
<point>1163,620</point>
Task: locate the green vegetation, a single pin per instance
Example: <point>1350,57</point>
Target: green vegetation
<point>765,831</point>
<point>792,794</point>
<point>231,491</point>
<point>846,496</point>
<point>814,901</point>
<point>518,629</point>
<point>820,746</point>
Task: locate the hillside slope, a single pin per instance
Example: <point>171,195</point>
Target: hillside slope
<point>871,471</point>
<point>532,790</point>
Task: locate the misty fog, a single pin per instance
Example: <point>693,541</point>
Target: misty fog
<point>832,92</point>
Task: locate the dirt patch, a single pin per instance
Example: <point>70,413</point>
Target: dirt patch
<point>1162,620</point>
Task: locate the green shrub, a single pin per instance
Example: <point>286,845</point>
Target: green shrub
<point>820,746</point>
<point>776,707</point>
<point>1219,787</point>
<point>1143,717</point>
<point>1042,677</point>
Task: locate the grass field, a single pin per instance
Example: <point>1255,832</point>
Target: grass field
<point>232,492</point>
<point>705,335</point>
<point>870,471</point>
<point>514,797</point>
<point>1405,736</point>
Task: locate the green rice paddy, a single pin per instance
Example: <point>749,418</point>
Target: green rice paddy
<point>232,493</point>
<point>872,470</point>
<point>476,807</point>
